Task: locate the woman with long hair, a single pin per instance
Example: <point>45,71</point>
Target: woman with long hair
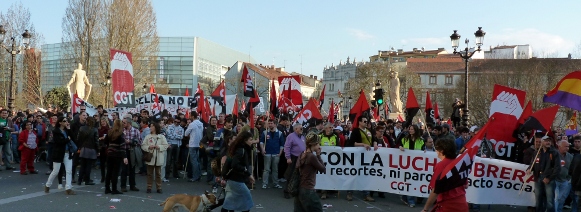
<point>309,163</point>
<point>157,144</point>
<point>238,197</point>
<point>89,137</point>
<point>115,155</point>
<point>103,129</point>
<point>61,154</point>
<point>412,141</point>
<point>28,144</point>
<point>451,200</point>
<point>210,152</point>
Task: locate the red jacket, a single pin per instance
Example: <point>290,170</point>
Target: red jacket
<point>341,139</point>
<point>23,138</point>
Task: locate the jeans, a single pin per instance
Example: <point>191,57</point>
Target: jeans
<point>85,172</point>
<point>409,199</point>
<point>270,163</point>
<point>308,201</point>
<point>172,160</point>
<point>194,170</point>
<point>55,170</point>
<point>7,152</point>
<point>545,195</point>
<point>113,165</point>
<point>16,154</point>
<point>562,191</point>
<point>574,200</point>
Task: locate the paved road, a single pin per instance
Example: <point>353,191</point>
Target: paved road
<point>25,193</point>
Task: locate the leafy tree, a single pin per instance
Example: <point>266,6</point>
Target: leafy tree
<point>58,96</point>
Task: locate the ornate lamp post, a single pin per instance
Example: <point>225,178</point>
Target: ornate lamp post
<point>13,50</point>
<point>466,55</point>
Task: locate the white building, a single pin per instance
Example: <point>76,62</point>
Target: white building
<point>336,78</point>
<point>509,52</point>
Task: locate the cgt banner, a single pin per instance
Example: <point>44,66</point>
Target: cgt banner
<point>410,172</point>
<point>122,78</point>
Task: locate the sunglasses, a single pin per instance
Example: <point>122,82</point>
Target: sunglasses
<point>364,121</point>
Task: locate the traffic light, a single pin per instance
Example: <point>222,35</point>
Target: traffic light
<point>378,96</point>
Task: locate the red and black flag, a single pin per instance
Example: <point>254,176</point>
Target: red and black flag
<point>411,108</point>
<point>331,118</point>
<point>308,112</point>
<point>273,100</point>
<point>541,119</point>
<point>199,100</point>
<point>456,173</point>
<point>322,97</point>
<point>526,113</point>
<point>187,109</point>
<point>430,114</point>
<point>361,108</point>
<point>219,95</point>
<point>252,102</point>
<point>248,84</point>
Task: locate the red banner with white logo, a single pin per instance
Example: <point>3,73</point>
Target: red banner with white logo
<point>290,90</point>
<point>505,110</point>
<point>122,81</point>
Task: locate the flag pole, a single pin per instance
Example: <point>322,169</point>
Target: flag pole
<point>533,162</point>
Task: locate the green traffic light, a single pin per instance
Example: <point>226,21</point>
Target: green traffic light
<point>380,101</point>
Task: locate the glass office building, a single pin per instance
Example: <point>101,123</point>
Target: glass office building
<point>182,62</point>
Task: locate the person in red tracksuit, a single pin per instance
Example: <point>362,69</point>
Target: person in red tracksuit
<point>28,143</point>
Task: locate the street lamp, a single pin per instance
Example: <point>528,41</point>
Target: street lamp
<point>13,51</point>
<point>106,84</point>
<point>466,55</point>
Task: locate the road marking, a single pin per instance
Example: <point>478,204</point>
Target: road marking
<point>28,196</point>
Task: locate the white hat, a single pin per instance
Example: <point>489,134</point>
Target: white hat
<point>545,137</point>
<point>339,128</point>
<point>473,128</point>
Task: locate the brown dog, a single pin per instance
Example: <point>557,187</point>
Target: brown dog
<point>192,203</point>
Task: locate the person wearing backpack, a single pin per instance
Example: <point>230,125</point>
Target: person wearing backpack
<point>309,163</point>
<point>272,145</point>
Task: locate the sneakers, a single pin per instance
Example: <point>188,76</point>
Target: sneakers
<point>165,180</point>
<point>349,196</point>
<point>412,205</point>
<point>277,186</point>
<point>368,199</point>
<point>60,186</point>
<point>204,173</point>
<point>324,195</point>
<point>282,180</point>
<point>46,189</point>
<point>264,186</point>
<point>567,206</point>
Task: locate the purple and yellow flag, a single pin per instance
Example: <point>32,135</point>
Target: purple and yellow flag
<point>567,92</point>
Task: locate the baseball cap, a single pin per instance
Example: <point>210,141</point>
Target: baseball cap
<point>473,128</point>
<point>339,128</point>
<point>545,137</point>
<point>445,126</point>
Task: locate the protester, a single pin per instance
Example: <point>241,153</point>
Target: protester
<point>412,141</point>
<point>238,197</point>
<point>89,137</point>
<point>156,144</point>
<point>271,144</point>
<point>208,143</point>
<point>451,200</point>
<point>175,134</point>
<point>132,140</point>
<point>309,164</point>
<point>545,170</point>
<point>61,154</point>
<point>75,126</point>
<point>28,143</point>
<point>49,141</point>
<point>116,154</point>
<point>195,132</point>
<point>563,179</point>
<point>293,146</point>
<point>103,129</point>
<point>6,128</point>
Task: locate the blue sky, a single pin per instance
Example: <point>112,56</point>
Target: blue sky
<point>325,32</point>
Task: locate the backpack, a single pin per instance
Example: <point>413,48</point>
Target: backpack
<point>295,180</point>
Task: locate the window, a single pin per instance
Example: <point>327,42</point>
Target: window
<point>331,87</point>
<point>433,79</point>
<point>449,80</point>
<point>346,87</point>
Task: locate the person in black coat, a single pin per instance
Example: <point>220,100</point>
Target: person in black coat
<point>89,138</point>
<point>61,153</point>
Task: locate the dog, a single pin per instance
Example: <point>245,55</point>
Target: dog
<point>192,203</point>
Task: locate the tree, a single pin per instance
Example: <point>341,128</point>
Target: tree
<point>58,96</point>
<point>91,28</point>
<point>32,86</point>
<point>15,21</point>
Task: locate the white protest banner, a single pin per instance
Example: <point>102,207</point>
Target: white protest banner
<point>495,181</point>
<point>175,104</point>
<point>409,173</point>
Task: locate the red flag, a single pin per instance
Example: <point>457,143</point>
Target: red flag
<point>290,89</point>
<point>436,111</point>
<point>309,111</point>
<point>541,119</point>
<point>430,117</point>
<point>200,100</point>
<point>76,103</point>
<point>243,106</point>
<point>411,107</point>
<point>399,118</point>
<point>331,117</point>
<point>376,113</point>
<point>235,108</point>
<point>248,84</point>
<point>251,117</point>
<point>273,98</point>
<point>573,121</point>
<point>207,111</point>
<point>219,95</point>
<point>526,113</point>
<point>361,108</point>
<point>187,91</point>
<point>322,97</point>
<point>151,89</point>
<point>187,115</point>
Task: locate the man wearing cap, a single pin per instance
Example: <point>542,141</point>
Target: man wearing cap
<point>545,170</point>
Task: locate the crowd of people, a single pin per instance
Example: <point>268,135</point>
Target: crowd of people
<point>232,155</point>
